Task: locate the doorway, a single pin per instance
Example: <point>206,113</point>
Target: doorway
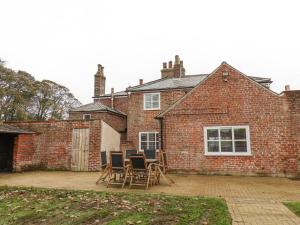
<point>80,149</point>
<point>6,152</point>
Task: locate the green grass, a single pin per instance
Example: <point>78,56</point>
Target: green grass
<point>294,207</point>
<point>49,206</point>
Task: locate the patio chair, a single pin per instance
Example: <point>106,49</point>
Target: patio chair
<point>116,169</point>
<point>130,152</point>
<point>150,153</point>
<point>163,167</point>
<point>163,161</point>
<point>104,167</point>
<point>140,173</point>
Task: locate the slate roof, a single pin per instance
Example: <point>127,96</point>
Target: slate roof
<point>4,128</point>
<point>96,107</point>
<point>120,93</point>
<point>188,81</point>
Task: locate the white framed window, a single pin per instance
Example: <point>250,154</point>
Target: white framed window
<point>227,140</point>
<point>87,116</point>
<point>148,140</point>
<point>152,101</point>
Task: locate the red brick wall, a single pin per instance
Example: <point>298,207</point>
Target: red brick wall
<point>115,121</point>
<point>240,101</point>
<point>139,120</point>
<point>120,103</point>
<point>293,106</point>
<point>23,152</point>
<point>51,146</point>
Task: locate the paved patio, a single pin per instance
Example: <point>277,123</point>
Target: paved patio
<point>251,200</point>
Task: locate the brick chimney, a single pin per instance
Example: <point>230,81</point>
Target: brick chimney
<point>175,71</point>
<point>99,85</point>
<point>141,81</point>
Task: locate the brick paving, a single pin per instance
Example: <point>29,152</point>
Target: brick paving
<point>251,200</point>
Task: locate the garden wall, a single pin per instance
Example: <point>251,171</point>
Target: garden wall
<point>50,147</point>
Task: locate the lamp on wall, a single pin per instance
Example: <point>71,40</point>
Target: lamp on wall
<point>225,76</point>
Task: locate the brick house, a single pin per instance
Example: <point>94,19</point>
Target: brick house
<point>224,122</point>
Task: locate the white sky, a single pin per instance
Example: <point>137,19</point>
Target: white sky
<point>64,40</point>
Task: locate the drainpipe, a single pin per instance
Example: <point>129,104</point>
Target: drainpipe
<point>161,133</point>
<point>112,97</point>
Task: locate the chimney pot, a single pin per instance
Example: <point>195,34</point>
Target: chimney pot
<point>164,65</point>
<point>112,91</point>
<point>177,60</point>
<point>287,87</point>
<point>170,65</point>
<point>99,67</point>
<point>141,81</point>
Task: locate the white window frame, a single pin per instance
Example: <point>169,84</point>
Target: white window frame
<point>148,132</point>
<point>86,114</point>
<point>144,102</point>
<point>248,153</point>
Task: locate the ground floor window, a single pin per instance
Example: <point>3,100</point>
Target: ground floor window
<point>149,140</point>
<point>227,140</point>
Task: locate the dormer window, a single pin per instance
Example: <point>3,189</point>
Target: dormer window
<point>87,116</point>
<point>151,101</point>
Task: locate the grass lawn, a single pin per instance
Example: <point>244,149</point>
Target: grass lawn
<point>294,207</point>
<point>49,206</point>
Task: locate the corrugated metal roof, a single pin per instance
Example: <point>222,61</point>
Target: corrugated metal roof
<point>4,128</point>
<point>96,107</point>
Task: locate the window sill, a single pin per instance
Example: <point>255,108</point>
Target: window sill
<point>228,154</point>
<point>156,109</point>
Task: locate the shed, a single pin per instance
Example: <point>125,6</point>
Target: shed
<point>8,136</point>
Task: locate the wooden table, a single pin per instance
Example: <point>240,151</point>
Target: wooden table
<point>147,160</point>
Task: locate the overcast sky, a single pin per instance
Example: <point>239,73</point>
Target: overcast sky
<point>64,40</point>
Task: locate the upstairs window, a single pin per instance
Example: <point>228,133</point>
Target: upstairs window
<point>87,116</point>
<point>149,140</point>
<point>151,101</point>
<point>227,140</point>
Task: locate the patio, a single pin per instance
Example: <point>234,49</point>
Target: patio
<point>251,200</point>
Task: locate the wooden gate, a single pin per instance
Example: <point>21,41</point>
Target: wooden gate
<point>80,149</point>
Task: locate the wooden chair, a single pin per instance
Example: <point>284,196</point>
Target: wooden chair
<point>130,152</point>
<point>163,161</point>
<point>163,166</point>
<point>116,169</point>
<point>150,153</point>
<point>104,167</point>
<point>139,172</point>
